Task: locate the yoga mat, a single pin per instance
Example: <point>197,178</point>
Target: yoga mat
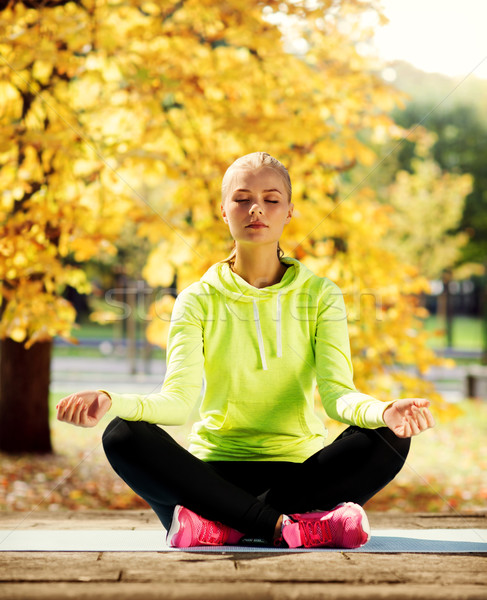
<point>98,540</point>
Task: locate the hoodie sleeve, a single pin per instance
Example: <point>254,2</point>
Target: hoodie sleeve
<point>184,373</point>
<point>334,370</point>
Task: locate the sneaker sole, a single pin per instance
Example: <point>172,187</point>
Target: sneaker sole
<point>365,524</point>
<point>175,526</point>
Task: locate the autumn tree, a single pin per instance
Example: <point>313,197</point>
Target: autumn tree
<point>102,103</point>
<point>338,231</point>
<point>62,202</point>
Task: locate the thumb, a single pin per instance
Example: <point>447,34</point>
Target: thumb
<point>421,402</point>
<point>408,403</point>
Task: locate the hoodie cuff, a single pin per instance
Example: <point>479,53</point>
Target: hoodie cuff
<point>120,407</point>
<point>375,413</point>
<point>362,410</point>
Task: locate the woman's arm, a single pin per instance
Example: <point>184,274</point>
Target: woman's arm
<point>334,370</point>
<point>182,382</point>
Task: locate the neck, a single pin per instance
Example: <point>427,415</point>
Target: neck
<point>260,267</point>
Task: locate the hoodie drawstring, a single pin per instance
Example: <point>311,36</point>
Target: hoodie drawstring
<point>278,333</point>
<point>259,331</point>
<point>259,335</point>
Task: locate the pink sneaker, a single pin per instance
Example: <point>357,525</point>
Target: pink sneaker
<point>345,526</point>
<point>189,529</point>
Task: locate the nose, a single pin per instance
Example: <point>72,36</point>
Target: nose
<point>255,208</point>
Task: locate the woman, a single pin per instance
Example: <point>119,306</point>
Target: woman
<point>263,330</point>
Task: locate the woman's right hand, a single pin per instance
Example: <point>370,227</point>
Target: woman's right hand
<point>84,409</point>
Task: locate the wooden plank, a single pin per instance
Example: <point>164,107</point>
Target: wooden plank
<point>247,591</point>
<point>56,566</point>
<point>109,519</point>
<point>189,567</point>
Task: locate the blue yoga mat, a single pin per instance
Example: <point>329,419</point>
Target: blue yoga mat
<point>97,540</point>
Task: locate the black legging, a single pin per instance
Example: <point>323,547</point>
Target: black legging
<point>251,495</point>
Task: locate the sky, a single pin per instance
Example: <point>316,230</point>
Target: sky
<point>436,36</point>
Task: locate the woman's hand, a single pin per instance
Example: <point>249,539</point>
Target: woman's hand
<point>84,409</point>
<point>409,416</point>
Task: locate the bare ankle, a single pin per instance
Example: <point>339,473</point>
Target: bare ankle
<point>277,530</point>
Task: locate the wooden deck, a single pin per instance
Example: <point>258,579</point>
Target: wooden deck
<point>204,576</point>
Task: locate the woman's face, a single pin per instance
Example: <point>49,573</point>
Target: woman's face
<point>256,208</point>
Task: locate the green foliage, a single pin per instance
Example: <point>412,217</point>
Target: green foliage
<point>428,206</point>
<point>460,148</point>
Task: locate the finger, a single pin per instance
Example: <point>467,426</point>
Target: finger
<point>423,417</point>
<point>85,419</point>
<point>421,402</point>
<point>72,407</point>
<point>78,412</point>
<point>63,400</point>
<point>414,427</point>
<point>419,418</point>
<point>403,428</point>
<point>79,407</point>
<point>61,411</point>
<point>429,418</point>
<point>61,406</point>
<point>403,433</point>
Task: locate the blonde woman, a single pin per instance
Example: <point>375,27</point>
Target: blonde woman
<point>263,331</point>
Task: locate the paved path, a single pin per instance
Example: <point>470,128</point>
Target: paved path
<point>185,575</point>
<point>70,374</point>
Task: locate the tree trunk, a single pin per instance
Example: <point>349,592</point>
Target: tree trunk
<point>24,397</point>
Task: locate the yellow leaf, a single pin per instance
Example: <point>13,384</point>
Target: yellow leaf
<point>17,334</point>
<point>10,101</point>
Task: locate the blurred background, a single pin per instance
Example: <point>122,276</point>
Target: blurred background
<point>118,122</point>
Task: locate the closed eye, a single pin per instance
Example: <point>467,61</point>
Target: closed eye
<point>246,200</point>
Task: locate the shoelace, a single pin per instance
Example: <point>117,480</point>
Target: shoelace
<point>211,533</point>
<point>315,533</point>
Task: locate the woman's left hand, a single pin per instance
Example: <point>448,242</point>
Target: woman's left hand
<point>408,417</point>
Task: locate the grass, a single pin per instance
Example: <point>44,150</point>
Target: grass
<point>467,332</point>
<point>446,470</point>
<point>88,330</point>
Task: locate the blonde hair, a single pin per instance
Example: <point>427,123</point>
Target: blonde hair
<point>251,162</point>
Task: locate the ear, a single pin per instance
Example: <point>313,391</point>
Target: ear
<point>289,213</point>
<point>224,214</point>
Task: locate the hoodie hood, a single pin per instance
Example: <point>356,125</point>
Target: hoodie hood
<point>223,279</point>
<point>231,285</point>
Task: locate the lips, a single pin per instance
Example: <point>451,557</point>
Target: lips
<point>256,225</point>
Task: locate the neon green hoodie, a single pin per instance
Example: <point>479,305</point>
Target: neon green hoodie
<point>261,353</point>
